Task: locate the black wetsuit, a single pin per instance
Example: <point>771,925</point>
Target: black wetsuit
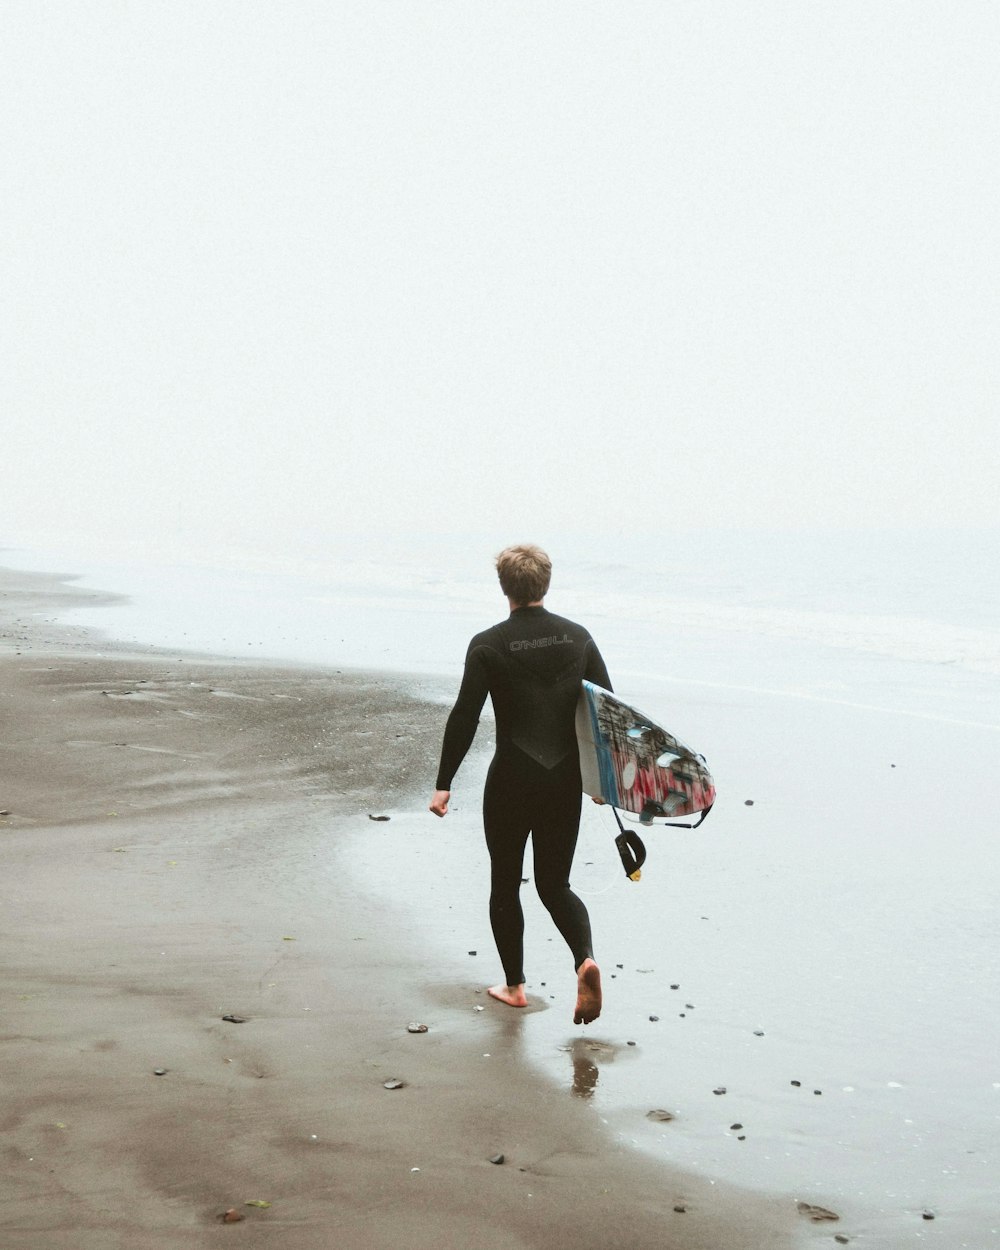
<point>531,665</point>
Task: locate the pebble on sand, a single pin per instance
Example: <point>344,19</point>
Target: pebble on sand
<point>496,1158</point>
<point>841,1240</point>
<point>660,1115</point>
<point>413,1027</point>
<point>748,802</point>
<point>371,817</point>
<point>232,1216</point>
<point>159,1071</point>
<point>928,1215</point>
<point>233,1019</point>
<point>719,1089</point>
<point>393,1083</point>
<point>654,1019</point>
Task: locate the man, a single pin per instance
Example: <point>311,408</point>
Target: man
<point>531,665</point>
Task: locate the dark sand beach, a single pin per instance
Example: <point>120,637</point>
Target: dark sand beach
<point>170,827</point>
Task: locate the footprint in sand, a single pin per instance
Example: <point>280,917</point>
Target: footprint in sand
<point>818,1215</point>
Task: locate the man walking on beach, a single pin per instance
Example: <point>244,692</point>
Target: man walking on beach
<point>531,665</point>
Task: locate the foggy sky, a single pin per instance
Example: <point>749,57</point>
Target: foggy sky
<point>449,265</point>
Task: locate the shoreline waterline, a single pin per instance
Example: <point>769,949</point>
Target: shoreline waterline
<point>402,617</point>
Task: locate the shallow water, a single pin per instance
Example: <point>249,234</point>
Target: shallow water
<point>846,916</point>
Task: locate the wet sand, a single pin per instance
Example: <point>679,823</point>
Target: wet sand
<point>174,831</point>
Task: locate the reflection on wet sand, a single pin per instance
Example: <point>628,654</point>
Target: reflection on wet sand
<point>586,1054</point>
<point>585,1075</point>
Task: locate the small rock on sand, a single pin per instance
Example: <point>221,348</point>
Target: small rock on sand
<point>232,1216</point>
<point>660,1115</point>
<point>233,1019</point>
<point>413,1027</point>
<point>393,1083</point>
<point>841,1240</point>
<point>928,1215</point>
<point>371,817</point>
<point>719,1089</point>
<point>654,1019</point>
<point>496,1158</point>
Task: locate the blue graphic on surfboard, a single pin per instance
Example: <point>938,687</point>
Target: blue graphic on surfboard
<point>629,761</point>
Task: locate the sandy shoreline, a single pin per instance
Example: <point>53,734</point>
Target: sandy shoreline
<point>171,858</point>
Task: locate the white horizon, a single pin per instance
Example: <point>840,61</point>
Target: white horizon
<point>291,268</point>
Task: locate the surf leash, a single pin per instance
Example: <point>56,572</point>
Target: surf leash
<point>653,809</point>
<point>630,845</point>
<point>630,848</point>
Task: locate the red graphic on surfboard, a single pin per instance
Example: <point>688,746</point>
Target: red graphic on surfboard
<point>629,761</point>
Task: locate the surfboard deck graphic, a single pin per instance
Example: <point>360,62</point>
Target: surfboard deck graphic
<point>629,761</point>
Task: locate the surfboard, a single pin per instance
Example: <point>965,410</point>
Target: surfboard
<point>632,763</point>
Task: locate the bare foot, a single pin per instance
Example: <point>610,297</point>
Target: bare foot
<point>512,995</point>
<point>588,992</point>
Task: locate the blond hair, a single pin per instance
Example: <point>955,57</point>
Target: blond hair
<point>525,572</point>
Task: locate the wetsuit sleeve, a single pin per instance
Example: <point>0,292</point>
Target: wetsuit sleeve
<point>464,717</point>
<point>596,670</point>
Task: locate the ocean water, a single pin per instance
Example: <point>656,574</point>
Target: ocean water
<point>908,622</point>
<point>833,923</point>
